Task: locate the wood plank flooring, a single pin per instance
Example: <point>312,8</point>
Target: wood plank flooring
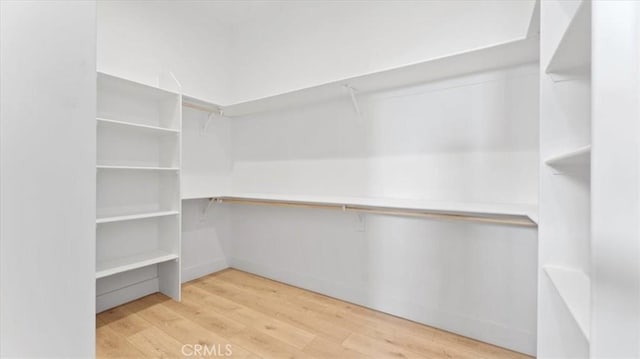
<point>240,315</point>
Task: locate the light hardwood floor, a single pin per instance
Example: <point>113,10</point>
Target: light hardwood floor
<point>255,317</point>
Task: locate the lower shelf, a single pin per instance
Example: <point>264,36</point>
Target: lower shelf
<point>115,266</point>
<point>574,287</point>
<point>136,216</point>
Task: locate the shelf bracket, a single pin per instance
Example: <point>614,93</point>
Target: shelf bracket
<point>220,114</point>
<point>360,222</point>
<point>208,206</point>
<point>354,99</point>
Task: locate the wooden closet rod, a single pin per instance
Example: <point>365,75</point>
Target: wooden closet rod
<point>199,107</point>
<point>513,220</point>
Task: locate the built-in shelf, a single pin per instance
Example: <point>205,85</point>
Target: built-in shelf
<point>574,287</point>
<point>136,216</point>
<point>132,89</point>
<point>572,56</point>
<point>580,157</point>
<point>120,265</point>
<point>136,168</point>
<point>136,126</point>
<point>514,214</point>
<point>504,55</point>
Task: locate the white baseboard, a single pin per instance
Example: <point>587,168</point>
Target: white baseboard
<point>126,294</point>
<point>482,330</point>
<point>203,269</point>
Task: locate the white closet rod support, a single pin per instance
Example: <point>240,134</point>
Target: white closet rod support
<point>354,99</point>
<point>220,114</point>
<point>206,208</point>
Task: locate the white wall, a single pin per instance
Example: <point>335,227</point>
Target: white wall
<point>615,288</point>
<point>206,153</point>
<point>229,51</point>
<point>287,45</point>
<point>206,169</point>
<point>47,179</point>
<point>472,138</point>
<point>473,279</point>
<point>206,238</point>
<point>139,40</point>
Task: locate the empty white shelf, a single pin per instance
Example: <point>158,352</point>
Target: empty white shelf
<point>115,266</point>
<point>132,89</point>
<point>574,287</point>
<point>147,168</point>
<point>579,157</point>
<point>136,126</point>
<point>516,214</point>
<point>573,54</point>
<point>136,216</point>
<point>503,55</point>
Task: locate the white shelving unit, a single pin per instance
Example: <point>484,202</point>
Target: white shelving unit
<point>565,181</point>
<point>138,189</point>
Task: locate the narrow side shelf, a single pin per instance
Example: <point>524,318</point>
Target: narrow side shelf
<point>115,266</point>
<point>136,126</point>
<point>573,54</point>
<point>135,168</point>
<point>136,216</point>
<point>574,287</point>
<point>580,157</point>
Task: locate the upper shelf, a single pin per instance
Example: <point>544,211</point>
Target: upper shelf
<point>137,168</point>
<point>573,54</point>
<point>122,86</point>
<point>483,59</point>
<point>515,214</point>
<point>574,287</point>
<point>135,126</point>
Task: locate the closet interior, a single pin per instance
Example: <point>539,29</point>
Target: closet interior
<point>415,191</point>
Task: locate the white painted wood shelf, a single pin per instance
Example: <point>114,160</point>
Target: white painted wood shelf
<point>574,287</point>
<point>503,55</point>
<point>135,126</point>
<point>515,214</point>
<point>129,88</point>
<point>136,168</point>
<point>136,216</point>
<point>572,56</point>
<point>120,265</point>
<point>580,157</point>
